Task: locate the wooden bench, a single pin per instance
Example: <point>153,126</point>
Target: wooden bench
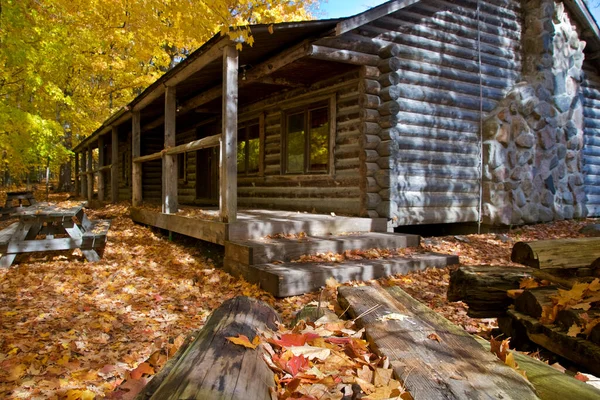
<point>94,237</point>
<point>9,204</point>
<point>6,234</point>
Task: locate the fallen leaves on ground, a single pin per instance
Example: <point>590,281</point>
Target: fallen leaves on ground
<point>185,211</point>
<point>354,255</point>
<point>72,329</point>
<point>328,360</point>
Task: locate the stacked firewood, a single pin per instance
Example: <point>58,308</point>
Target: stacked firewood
<point>553,302</point>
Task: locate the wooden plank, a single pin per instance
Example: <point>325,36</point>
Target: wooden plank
<point>19,234</point>
<point>204,143</point>
<point>33,246</point>
<point>228,166</point>
<point>169,162</point>
<point>211,231</point>
<point>148,157</point>
<point>101,169</point>
<point>7,233</point>
<point>77,176</point>
<point>214,368</point>
<point>136,168</point>
<point>455,367</point>
<point>559,253</point>
<point>343,56</point>
<point>84,177</point>
<point>371,15</point>
<point>292,279</point>
<point>114,167</point>
<point>90,179</point>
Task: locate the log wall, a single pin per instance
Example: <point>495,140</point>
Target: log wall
<point>152,142</point>
<point>124,167</point>
<point>426,165</point>
<point>591,150</point>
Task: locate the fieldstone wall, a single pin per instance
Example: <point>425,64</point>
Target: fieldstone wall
<point>532,141</point>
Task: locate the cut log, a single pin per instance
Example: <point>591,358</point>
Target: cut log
<point>214,368</point>
<point>483,288</point>
<point>562,253</point>
<point>549,383</point>
<point>567,318</point>
<point>532,301</point>
<point>580,351</point>
<point>453,367</point>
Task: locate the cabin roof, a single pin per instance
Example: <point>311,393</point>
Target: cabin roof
<point>284,35</point>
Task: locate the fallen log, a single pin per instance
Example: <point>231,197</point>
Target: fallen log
<point>212,367</point>
<point>532,301</point>
<point>578,350</point>
<point>483,288</point>
<point>560,253</point>
<point>549,383</point>
<point>433,357</point>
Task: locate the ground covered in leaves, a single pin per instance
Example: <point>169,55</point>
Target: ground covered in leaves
<point>77,330</point>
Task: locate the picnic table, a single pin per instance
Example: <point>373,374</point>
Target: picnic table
<point>20,196</point>
<point>40,224</point>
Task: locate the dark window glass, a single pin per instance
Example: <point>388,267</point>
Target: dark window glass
<point>319,139</point>
<point>248,153</point>
<point>295,143</point>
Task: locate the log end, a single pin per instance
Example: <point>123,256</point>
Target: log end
<point>522,253</point>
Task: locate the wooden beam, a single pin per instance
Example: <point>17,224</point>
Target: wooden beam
<point>101,169</point>
<point>211,54</point>
<point>371,15</point>
<point>105,168</point>
<point>148,157</point>
<point>90,184</point>
<point>255,74</point>
<point>114,170</point>
<point>154,124</point>
<point>84,178</point>
<point>149,98</point>
<point>204,143</point>
<point>169,164</point>
<point>77,178</point>
<point>343,56</point>
<point>136,168</point>
<point>228,167</point>
<point>281,82</point>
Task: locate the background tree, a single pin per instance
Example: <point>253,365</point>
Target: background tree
<point>66,65</point>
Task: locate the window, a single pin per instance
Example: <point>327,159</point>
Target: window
<point>182,159</point>
<point>248,148</point>
<point>307,139</point>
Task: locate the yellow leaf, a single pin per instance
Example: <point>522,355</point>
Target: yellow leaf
<point>270,28</point>
<point>243,340</point>
<point>238,46</point>
<point>582,306</point>
<point>16,372</point>
<point>76,394</point>
<point>528,283</point>
<point>574,330</point>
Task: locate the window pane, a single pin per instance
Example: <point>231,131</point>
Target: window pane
<point>241,156</point>
<point>295,143</point>
<point>319,139</point>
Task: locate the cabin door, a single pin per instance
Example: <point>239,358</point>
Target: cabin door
<point>207,176</point>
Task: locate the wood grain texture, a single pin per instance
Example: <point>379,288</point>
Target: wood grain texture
<point>228,176</point>
<point>214,368</point>
<point>169,162</point>
<point>559,253</point>
<point>101,164</point>
<point>90,177</point>
<point>456,367</point>
<point>136,168</point>
<point>114,166</point>
<point>483,288</point>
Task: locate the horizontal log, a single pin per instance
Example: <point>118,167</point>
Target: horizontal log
<point>532,301</point>
<point>149,157</point>
<point>212,367</point>
<point>343,56</point>
<point>204,143</point>
<point>560,253</point>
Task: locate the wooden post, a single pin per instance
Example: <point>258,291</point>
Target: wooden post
<point>228,166</point>
<point>77,177</point>
<point>84,177</point>
<point>90,174</point>
<point>114,168</point>
<point>136,168</point>
<point>169,162</point>
<point>101,163</point>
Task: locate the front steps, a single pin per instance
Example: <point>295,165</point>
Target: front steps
<point>268,262</point>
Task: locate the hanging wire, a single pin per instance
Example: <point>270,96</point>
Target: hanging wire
<point>480,120</point>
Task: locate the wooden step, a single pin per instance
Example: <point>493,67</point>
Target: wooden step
<point>268,250</point>
<point>256,224</point>
<point>453,367</point>
<point>292,279</point>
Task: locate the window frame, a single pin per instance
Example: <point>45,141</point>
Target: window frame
<point>182,166</point>
<point>245,125</point>
<point>328,103</point>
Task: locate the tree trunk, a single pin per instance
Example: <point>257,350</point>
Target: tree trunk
<point>561,253</point>
<point>212,367</point>
<point>532,301</point>
<point>483,288</point>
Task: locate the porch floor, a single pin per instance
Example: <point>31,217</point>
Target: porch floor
<point>203,223</point>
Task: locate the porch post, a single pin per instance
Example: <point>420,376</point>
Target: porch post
<point>83,171</point>
<point>228,166</point>
<point>77,177</point>
<point>169,170</point>
<point>101,163</point>
<point>114,167</point>
<point>136,168</point>
<point>90,173</point>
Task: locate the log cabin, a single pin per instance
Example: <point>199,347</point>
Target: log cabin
<point>413,112</point>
